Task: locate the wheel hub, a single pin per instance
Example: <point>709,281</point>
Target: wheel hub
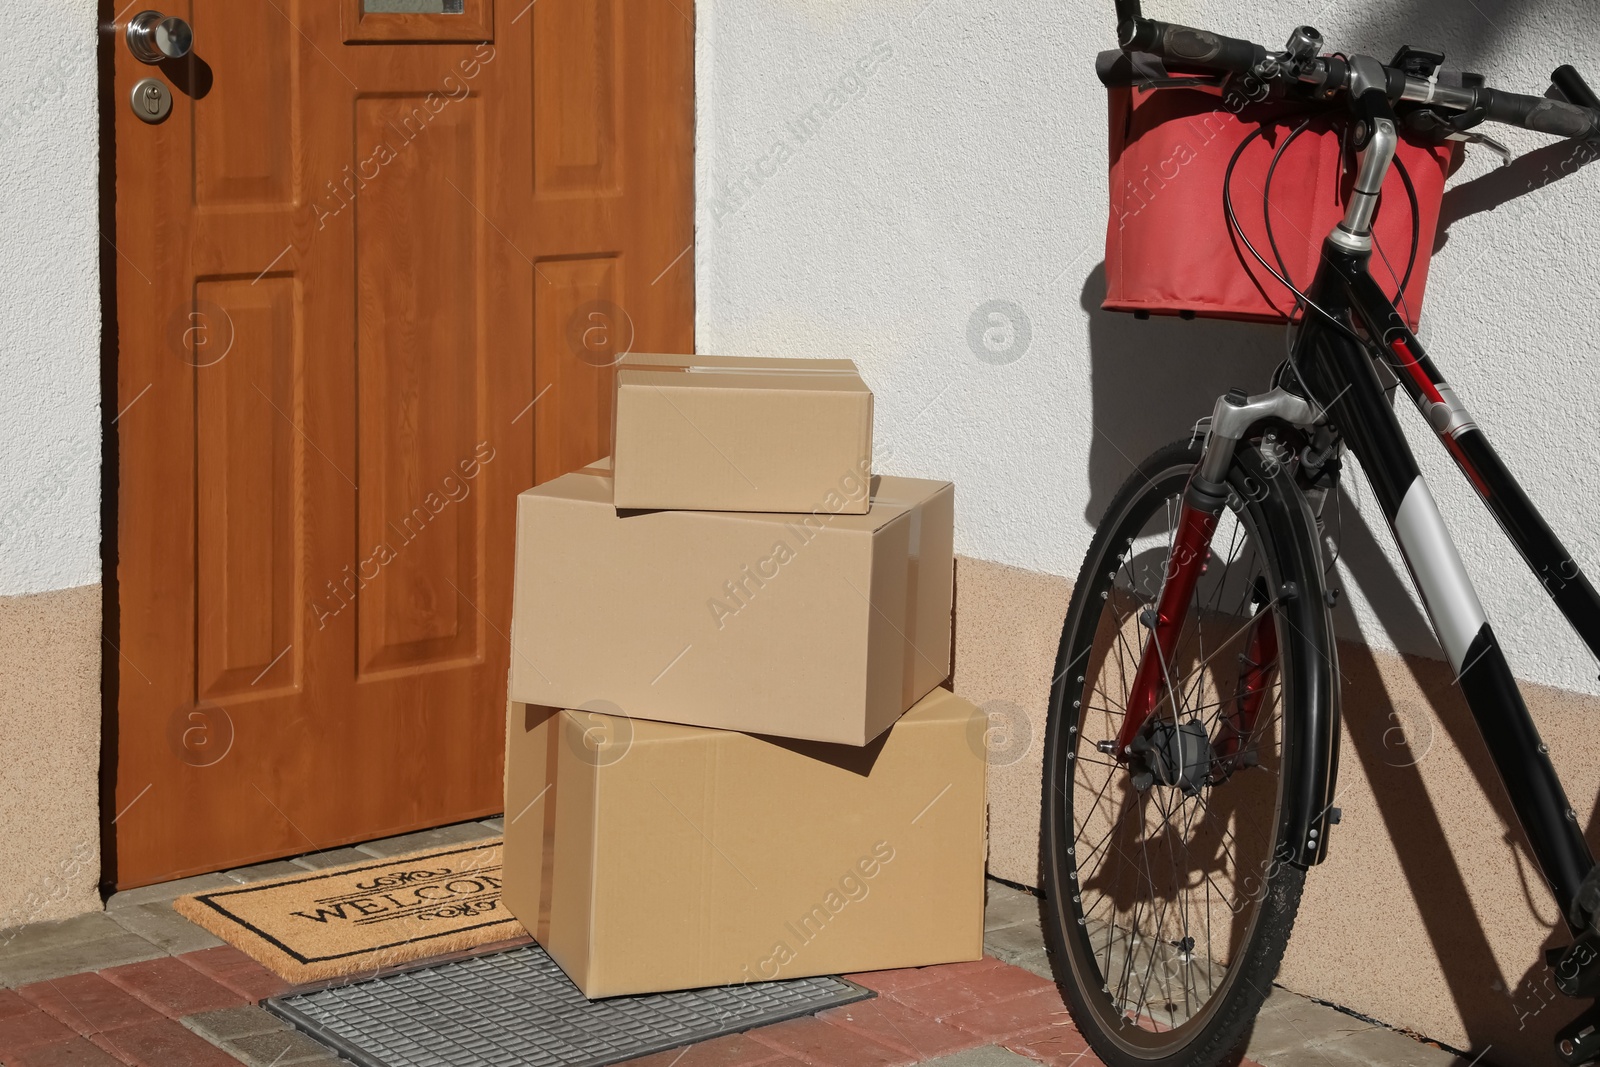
<point>1173,754</point>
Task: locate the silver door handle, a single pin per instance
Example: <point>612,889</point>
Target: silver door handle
<point>154,37</point>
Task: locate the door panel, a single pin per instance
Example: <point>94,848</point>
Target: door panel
<point>577,78</point>
<point>244,137</point>
<point>248,578</point>
<point>374,269</point>
<point>577,305</point>
<point>420,381</point>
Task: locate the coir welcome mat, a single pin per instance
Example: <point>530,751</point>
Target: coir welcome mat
<point>364,917</point>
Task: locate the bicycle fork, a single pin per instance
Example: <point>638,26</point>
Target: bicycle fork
<point>1203,502</point>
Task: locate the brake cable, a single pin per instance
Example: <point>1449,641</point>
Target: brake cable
<point>1233,223</point>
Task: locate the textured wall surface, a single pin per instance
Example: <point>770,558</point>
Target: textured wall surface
<point>50,307</point>
<point>874,174</point>
<point>49,756</point>
<point>50,473</point>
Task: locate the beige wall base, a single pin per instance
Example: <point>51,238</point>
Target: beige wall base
<point>1428,914</point>
<point>49,755</point>
<point>1008,624</point>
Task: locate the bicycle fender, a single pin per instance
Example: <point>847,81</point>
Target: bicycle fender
<point>1311,749</point>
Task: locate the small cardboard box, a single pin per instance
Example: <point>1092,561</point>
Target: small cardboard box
<point>733,433</point>
<point>646,857</point>
<point>824,626</point>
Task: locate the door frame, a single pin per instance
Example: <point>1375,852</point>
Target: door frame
<point>110,457</point>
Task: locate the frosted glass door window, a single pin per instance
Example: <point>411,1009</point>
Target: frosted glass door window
<point>424,7</point>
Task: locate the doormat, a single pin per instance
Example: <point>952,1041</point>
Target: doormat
<point>517,1009</point>
<point>365,917</point>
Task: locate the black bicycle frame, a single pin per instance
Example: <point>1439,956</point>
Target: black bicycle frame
<point>1342,376</point>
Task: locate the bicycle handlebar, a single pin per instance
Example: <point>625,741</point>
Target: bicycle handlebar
<point>1186,46</point>
<point>1538,113</point>
<point>1193,49</point>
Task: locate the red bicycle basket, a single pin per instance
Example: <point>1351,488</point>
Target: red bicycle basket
<point>1169,249</point>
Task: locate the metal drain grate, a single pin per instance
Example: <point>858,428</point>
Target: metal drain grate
<point>517,1009</point>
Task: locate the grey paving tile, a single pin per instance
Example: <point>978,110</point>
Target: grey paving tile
<point>1364,1043</point>
<point>282,1048</point>
<point>1283,1027</point>
<point>440,837</point>
<point>1009,907</point>
<point>265,872</point>
<point>497,824</point>
<point>985,1056</point>
<point>1011,931</point>
<point>19,969</point>
<point>1036,961</point>
<point>163,891</point>
<point>334,857</point>
<point>37,937</point>
<point>1009,942</point>
<point>164,928</point>
<point>227,1024</point>
<point>1292,1030</point>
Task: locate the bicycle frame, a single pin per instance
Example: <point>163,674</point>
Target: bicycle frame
<point>1332,395</point>
<point>1340,372</point>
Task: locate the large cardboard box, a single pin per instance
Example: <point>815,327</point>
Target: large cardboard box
<point>733,433</point>
<point>821,626</point>
<point>646,857</point>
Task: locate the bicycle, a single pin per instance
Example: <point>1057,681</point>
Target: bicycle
<point>1192,742</point>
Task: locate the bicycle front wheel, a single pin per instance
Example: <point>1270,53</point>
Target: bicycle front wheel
<point>1170,897</point>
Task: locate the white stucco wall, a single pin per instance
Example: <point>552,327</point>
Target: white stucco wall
<point>962,160</point>
<point>50,305</point>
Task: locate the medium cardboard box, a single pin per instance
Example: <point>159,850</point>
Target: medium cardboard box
<point>820,626</point>
<point>732,433</point>
<point>646,857</point>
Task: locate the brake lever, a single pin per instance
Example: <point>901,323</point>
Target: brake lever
<point>1440,129</point>
<point>1473,137</point>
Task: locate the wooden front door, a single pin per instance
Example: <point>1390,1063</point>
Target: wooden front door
<point>371,271</point>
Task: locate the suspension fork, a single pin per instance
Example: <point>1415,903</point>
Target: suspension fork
<point>1190,549</point>
<point>1203,502</point>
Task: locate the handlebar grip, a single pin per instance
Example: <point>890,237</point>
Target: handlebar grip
<point>1574,88</point>
<point>1538,113</point>
<point>1189,48</point>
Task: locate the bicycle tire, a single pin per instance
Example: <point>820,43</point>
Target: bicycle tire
<point>1139,1036</point>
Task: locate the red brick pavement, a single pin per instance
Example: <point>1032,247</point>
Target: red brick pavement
<point>128,1017</point>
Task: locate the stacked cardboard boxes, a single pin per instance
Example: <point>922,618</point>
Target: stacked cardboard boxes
<point>728,758</point>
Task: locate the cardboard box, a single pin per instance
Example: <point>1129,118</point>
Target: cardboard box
<point>821,626</point>
<point>731,433</point>
<point>646,857</point>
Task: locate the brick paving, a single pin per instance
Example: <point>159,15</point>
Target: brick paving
<point>891,1023</point>
<point>161,1043</point>
<point>87,1003</point>
<point>229,967</point>
<point>170,1012</point>
<point>172,987</point>
<point>138,986</point>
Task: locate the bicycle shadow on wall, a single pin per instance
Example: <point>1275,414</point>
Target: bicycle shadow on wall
<point>1525,175</point>
<point>1150,381</point>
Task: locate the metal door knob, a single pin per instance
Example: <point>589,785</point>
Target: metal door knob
<point>154,37</point>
